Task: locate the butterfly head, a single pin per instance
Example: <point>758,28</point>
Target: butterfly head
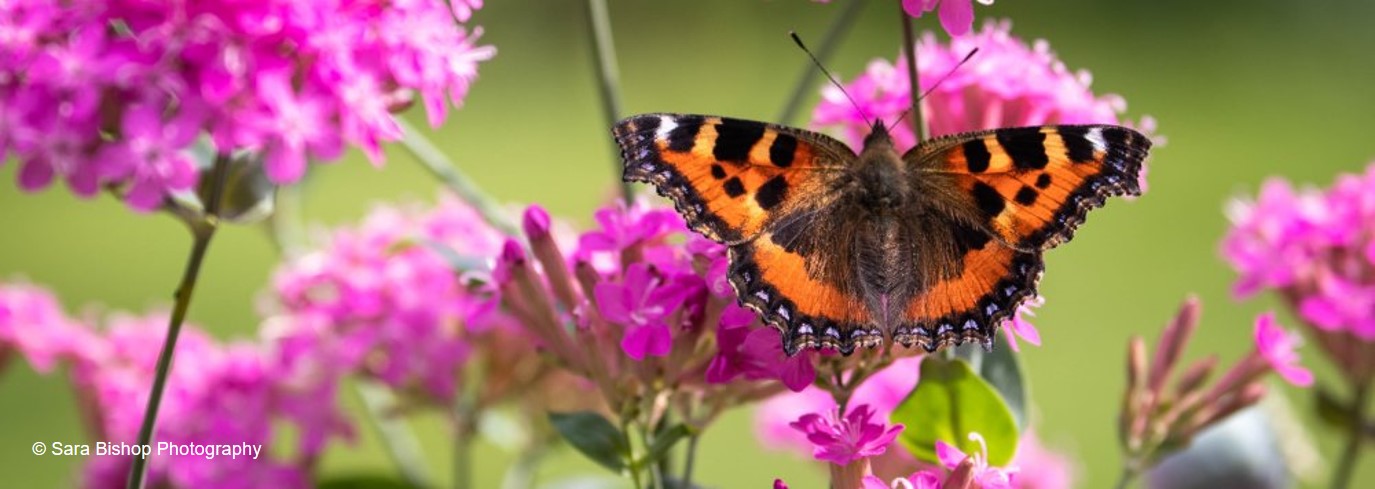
<point>879,137</point>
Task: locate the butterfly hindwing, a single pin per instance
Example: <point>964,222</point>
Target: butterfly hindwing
<point>727,177</point>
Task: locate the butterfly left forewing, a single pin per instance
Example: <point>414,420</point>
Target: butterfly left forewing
<point>727,177</point>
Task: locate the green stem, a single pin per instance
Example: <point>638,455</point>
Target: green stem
<point>608,78</point>
<point>465,188</point>
<point>631,466</point>
<point>202,230</point>
<point>691,457</point>
<point>400,442</point>
<point>656,474</point>
<point>1346,465</point>
<point>829,41</point>
<point>909,51</point>
<point>465,427</point>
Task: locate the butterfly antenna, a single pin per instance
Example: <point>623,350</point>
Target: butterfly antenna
<point>798,40</point>
<point>938,82</point>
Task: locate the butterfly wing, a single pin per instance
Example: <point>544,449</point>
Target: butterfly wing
<point>1029,189</point>
<point>763,189</point>
<point>728,177</point>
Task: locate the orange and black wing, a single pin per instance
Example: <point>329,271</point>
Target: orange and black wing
<point>728,177</point>
<point>1029,189</point>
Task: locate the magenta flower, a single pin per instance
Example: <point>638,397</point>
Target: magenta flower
<point>842,440</point>
<point>1278,347</point>
<point>984,476</point>
<point>957,16</point>
<point>1019,327</point>
<point>1316,248</point>
<point>882,391</point>
<point>34,324</point>
<point>640,304</point>
<point>744,348</point>
<point>1009,84</point>
<point>1040,468</point>
<point>391,298</point>
<point>121,107</point>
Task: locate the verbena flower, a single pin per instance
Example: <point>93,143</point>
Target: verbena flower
<point>1007,84</point>
<point>1277,347</point>
<point>983,475</point>
<point>218,393</point>
<point>845,439</point>
<point>957,16</point>
<point>114,94</point>
<point>394,298</point>
<point>1316,249</point>
<point>882,392</point>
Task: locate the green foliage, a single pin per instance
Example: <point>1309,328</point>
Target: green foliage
<point>1003,370</point>
<point>949,403</point>
<point>594,436</point>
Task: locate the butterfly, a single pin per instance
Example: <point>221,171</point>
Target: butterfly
<point>841,250</point>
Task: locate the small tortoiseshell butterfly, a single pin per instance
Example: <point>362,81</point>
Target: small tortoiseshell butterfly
<point>838,250</point>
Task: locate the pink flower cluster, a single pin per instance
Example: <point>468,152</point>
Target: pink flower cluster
<point>874,399</point>
<point>641,301</point>
<point>1007,84</point>
<point>395,298</point>
<point>217,394</point>
<point>1317,247</point>
<point>116,93</point>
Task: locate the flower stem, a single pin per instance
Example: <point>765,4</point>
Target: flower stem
<point>829,41</point>
<point>1346,465</point>
<point>444,169</point>
<point>608,77</point>
<point>465,426</point>
<point>397,437</point>
<point>909,50</point>
<point>691,457</point>
<point>202,230</point>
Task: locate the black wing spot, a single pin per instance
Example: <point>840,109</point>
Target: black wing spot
<point>1043,181</point>
<point>1077,145</point>
<point>734,188</point>
<point>717,172</point>
<point>1026,196</point>
<point>1026,146</point>
<point>772,192</point>
<point>976,155</point>
<point>683,137</point>
<point>734,138</point>
<point>988,199</point>
<point>782,151</point>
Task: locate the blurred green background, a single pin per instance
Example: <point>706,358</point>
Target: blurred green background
<point>1242,90</point>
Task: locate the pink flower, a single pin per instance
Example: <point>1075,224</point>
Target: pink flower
<point>924,479</point>
<point>882,391</point>
<point>984,476</point>
<point>1008,84</point>
<point>841,440</point>
<point>756,353</point>
<point>294,81</point>
<point>957,16</point>
<point>1019,327</point>
<point>391,297</point>
<point>1039,467</point>
<point>34,324</point>
<point>640,304</point>
<point>1278,347</point>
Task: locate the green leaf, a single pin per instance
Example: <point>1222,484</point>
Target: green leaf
<point>949,403</point>
<point>594,436</point>
<point>664,441</point>
<point>363,481</point>
<point>1003,370</point>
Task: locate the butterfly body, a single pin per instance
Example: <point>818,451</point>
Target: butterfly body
<point>843,250</point>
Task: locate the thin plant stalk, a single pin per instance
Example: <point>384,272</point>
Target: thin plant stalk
<point>1346,465</point>
<point>909,51</point>
<point>397,437</point>
<point>202,230</point>
<point>608,78</point>
<point>824,50</point>
<point>690,458</point>
<point>465,429</point>
<point>439,165</point>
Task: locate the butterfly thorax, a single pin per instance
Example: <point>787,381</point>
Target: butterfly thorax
<point>878,176</point>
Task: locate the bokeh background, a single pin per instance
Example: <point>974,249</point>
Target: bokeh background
<point>1243,90</point>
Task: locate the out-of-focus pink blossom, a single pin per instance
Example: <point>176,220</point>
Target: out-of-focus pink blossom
<point>1008,84</point>
<point>1020,327</point>
<point>34,324</point>
<point>98,106</point>
<point>882,391</point>
<point>1278,348</point>
<point>984,475</point>
<point>957,16</point>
